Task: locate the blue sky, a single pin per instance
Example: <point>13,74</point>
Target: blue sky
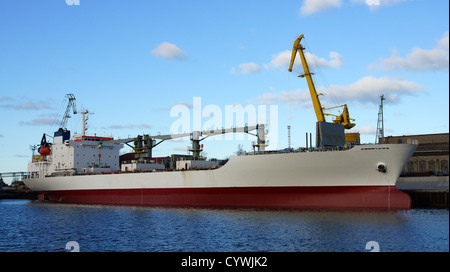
<point>131,61</point>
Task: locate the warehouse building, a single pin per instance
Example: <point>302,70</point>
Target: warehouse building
<point>431,156</point>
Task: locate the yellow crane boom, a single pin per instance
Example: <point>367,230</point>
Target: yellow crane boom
<point>344,119</point>
<point>312,89</point>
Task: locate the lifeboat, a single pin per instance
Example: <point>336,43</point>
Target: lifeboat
<point>44,150</point>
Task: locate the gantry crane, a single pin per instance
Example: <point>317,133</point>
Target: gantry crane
<point>143,145</point>
<point>343,119</point>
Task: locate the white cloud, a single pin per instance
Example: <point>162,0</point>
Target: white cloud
<point>39,122</point>
<point>368,130</point>
<point>299,98</point>
<point>366,90</point>
<point>419,59</point>
<point>313,6</point>
<point>369,89</point>
<point>246,68</point>
<point>375,4</point>
<point>364,130</point>
<point>180,148</point>
<point>169,51</point>
<point>336,60</point>
<point>443,43</point>
<point>5,98</point>
<point>284,58</point>
<point>33,105</point>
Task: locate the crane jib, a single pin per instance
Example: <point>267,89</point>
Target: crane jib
<point>343,119</point>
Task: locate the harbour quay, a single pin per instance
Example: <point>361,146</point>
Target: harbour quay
<point>17,189</point>
<point>425,176</point>
<point>425,191</point>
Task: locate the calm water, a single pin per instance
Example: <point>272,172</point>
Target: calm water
<point>34,226</point>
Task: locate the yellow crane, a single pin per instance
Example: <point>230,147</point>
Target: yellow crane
<point>343,119</point>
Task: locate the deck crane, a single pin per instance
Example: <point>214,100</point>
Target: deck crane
<point>143,145</point>
<point>70,104</point>
<point>343,119</point>
<point>45,147</point>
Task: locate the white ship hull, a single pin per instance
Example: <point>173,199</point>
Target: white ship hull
<point>348,178</point>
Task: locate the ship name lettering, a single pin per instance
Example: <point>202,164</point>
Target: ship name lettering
<point>374,148</point>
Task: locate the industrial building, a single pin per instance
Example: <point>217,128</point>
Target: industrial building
<point>431,156</point>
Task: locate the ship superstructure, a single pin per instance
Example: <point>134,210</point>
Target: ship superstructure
<point>78,155</point>
<point>75,155</point>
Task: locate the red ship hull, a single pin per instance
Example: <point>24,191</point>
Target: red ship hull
<point>242,197</point>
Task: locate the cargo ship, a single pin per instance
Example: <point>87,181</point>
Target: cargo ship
<point>335,174</point>
<point>363,176</point>
<point>86,169</point>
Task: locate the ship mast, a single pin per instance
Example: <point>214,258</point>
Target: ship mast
<point>380,123</point>
<point>85,119</point>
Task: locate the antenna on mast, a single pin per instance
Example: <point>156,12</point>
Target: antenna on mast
<point>84,112</point>
<point>289,136</point>
<point>380,123</point>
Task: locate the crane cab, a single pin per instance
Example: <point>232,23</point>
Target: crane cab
<point>62,132</point>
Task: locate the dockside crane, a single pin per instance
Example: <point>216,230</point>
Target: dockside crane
<point>343,119</point>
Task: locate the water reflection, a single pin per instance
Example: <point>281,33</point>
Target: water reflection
<point>36,226</point>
